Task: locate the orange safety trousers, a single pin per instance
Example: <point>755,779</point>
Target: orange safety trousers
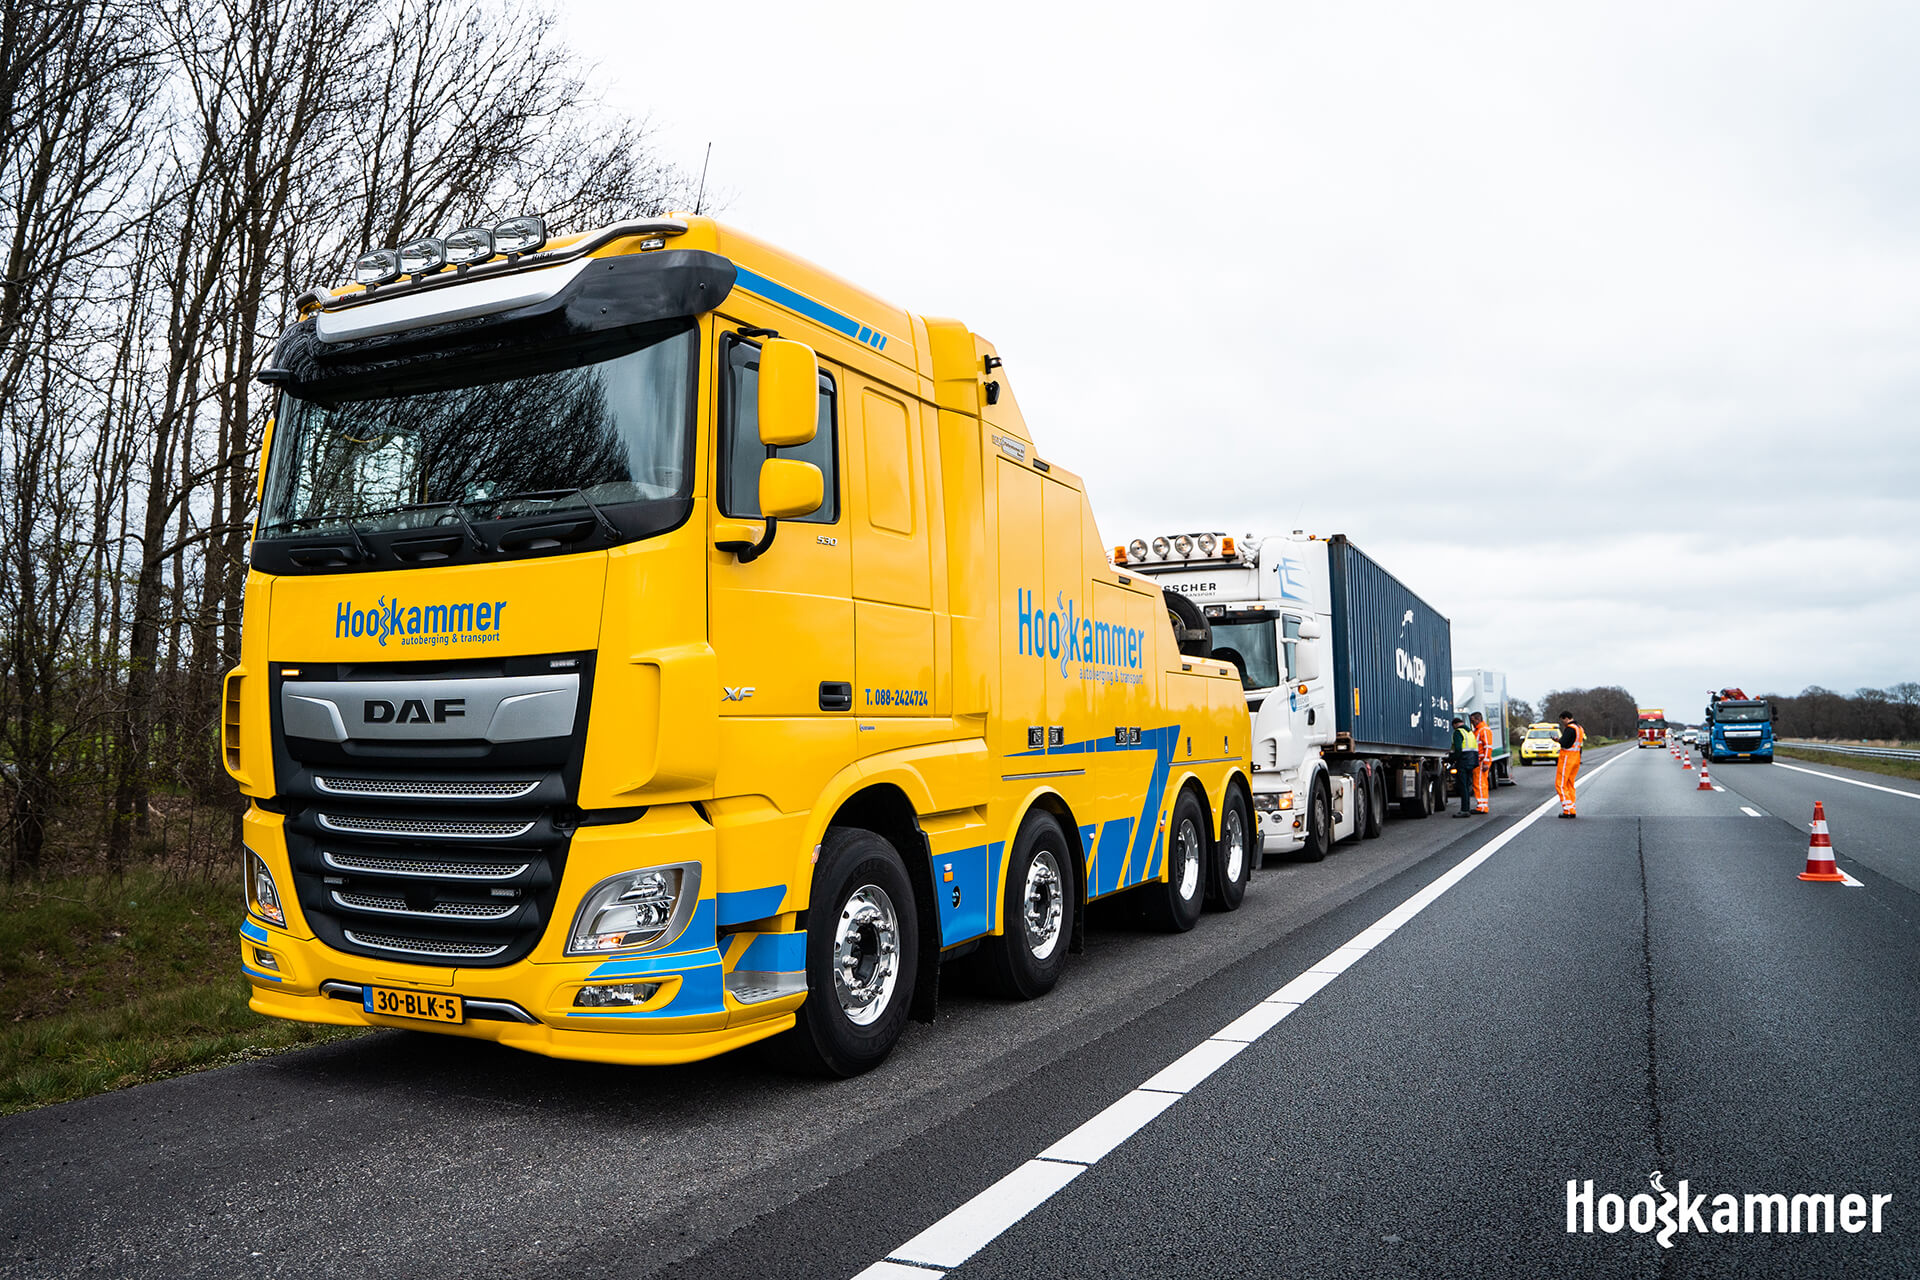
<point>1483,776</point>
<point>1564,776</point>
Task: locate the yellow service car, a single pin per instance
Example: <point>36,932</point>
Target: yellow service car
<point>1541,745</point>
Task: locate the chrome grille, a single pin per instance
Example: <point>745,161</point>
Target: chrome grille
<point>428,790</point>
<point>427,828</point>
<point>367,864</point>
<point>393,905</point>
<point>423,946</point>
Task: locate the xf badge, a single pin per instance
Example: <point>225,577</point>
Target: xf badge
<point>730,693</point>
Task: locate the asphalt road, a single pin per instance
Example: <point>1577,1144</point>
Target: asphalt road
<point>1650,988</point>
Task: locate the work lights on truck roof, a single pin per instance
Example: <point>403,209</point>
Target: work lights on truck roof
<point>419,257</point>
<point>1137,548</point>
<point>519,235</point>
<point>1160,547</point>
<point>382,266</point>
<point>469,245</point>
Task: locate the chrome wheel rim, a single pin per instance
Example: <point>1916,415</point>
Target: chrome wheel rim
<point>1044,904</point>
<point>1235,838</point>
<point>1188,844</point>
<point>866,954</point>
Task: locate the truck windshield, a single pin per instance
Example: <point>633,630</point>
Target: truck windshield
<point>1252,647</point>
<point>590,429</point>
<point>1748,714</point>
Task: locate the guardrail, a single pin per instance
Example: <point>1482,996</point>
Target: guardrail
<point>1841,749</point>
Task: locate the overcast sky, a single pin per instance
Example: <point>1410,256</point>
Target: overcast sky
<point>1598,325</point>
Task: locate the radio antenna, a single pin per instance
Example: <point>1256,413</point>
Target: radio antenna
<point>701,197</point>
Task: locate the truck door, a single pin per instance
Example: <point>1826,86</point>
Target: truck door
<point>781,625</point>
<point>893,623</point>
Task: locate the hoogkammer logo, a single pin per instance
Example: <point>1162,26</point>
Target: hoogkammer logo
<point>420,624</point>
<point>1670,1211</point>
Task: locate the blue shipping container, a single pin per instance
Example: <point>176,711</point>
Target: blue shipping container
<point>1392,658</point>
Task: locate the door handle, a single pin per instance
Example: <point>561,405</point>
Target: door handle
<point>836,695</point>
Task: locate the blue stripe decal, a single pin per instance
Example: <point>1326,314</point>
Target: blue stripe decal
<point>750,904</point>
<point>1163,741</point>
<point>797,302</point>
<point>255,973</point>
<point>699,993</point>
<point>1111,860</point>
<point>248,929</point>
<point>641,966</point>
<point>774,953</point>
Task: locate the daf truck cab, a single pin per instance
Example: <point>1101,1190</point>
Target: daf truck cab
<point>1348,674</point>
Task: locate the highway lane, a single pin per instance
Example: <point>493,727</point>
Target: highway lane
<point>411,1154</point>
<point>1648,990</point>
<point>1873,818</point>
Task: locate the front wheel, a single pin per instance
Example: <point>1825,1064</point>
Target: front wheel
<point>1232,862</point>
<point>1027,958</point>
<point>1319,824</point>
<point>1174,905</point>
<point>863,951</point>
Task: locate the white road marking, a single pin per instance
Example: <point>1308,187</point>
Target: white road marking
<point>1718,787</point>
<point>1752,813</point>
<point>1851,883</point>
<point>1852,782</point>
<point>974,1225</point>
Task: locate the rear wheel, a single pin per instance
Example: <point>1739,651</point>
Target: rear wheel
<point>1026,960</point>
<point>1174,905</point>
<point>1420,803</point>
<point>1362,807</point>
<point>1319,829</point>
<point>1232,862</point>
<point>863,949</point>
<point>1377,811</point>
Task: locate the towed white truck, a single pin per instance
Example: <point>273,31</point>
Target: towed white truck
<point>1348,675</point>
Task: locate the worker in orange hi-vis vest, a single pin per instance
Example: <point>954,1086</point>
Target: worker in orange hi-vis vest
<point>1572,739</point>
<point>1483,776</point>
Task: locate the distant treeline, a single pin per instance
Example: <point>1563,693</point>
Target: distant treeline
<point>1865,713</point>
<point>171,177</point>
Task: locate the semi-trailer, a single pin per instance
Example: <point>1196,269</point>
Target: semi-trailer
<point>656,644</point>
<point>1348,673</point>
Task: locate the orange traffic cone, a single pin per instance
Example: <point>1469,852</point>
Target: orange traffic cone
<point>1820,850</point>
<point>1686,761</point>
<point>1704,784</point>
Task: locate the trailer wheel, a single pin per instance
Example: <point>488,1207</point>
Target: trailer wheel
<point>1377,811</point>
<point>1174,905</point>
<point>1420,803</point>
<point>863,950</point>
<point>1319,823</point>
<point>1231,867</point>
<point>1362,807</point>
<point>1026,960</point>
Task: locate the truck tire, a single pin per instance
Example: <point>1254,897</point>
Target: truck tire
<point>1037,913</point>
<point>1319,828</point>
<point>1420,803</point>
<point>1174,905</point>
<point>1231,867</point>
<point>863,950</point>
<point>1362,807</point>
<point>1377,812</point>
<point>1190,627</point>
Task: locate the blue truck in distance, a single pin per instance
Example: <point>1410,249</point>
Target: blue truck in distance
<point>1739,727</point>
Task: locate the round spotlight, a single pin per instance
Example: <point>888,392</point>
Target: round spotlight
<point>1183,544</point>
<point>519,235</point>
<point>423,256</point>
<point>469,245</point>
<point>382,266</point>
<point>1137,548</point>
<point>1207,544</point>
<point>1160,548</point>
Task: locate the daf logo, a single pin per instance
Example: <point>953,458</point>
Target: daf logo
<point>730,694</point>
<point>412,711</point>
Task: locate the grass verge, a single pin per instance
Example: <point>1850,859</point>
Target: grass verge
<point>1866,764</point>
<point>106,984</point>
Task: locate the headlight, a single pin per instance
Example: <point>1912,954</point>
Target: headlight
<point>1137,548</point>
<point>635,909</point>
<point>519,235</point>
<point>423,256</point>
<point>469,244</point>
<point>263,896</point>
<point>382,266</point>
<point>1273,801</point>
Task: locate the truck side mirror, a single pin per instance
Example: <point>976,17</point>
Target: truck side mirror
<point>1310,628</point>
<point>1775,714</point>
<point>789,396</point>
<point>1306,658</point>
<point>790,488</point>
